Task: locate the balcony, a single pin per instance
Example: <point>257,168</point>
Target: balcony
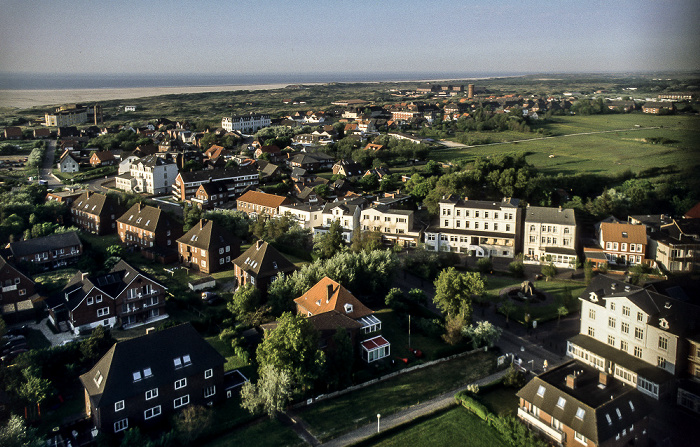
<point>531,419</point>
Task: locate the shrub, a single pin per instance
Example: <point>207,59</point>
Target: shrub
<point>484,265</point>
<point>514,378</point>
<point>472,405</point>
<point>517,269</point>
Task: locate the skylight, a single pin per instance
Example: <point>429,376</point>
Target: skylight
<point>580,413</point>
<point>98,378</point>
<point>147,372</point>
<point>631,405</point>
<point>540,391</point>
<point>607,416</point>
<point>561,402</point>
<point>186,360</point>
<point>178,362</point>
<point>619,415</point>
<point>137,376</point>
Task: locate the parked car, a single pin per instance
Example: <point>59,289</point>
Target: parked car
<point>19,330</point>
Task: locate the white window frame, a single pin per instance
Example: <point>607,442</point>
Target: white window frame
<point>121,425</point>
<point>209,373</point>
<point>180,383</point>
<point>155,411</point>
<point>209,391</point>
<point>152,394</point>
<point>119,406</point>
<point>184,400</point>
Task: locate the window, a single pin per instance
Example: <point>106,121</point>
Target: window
<point>611,340</point>
<point>625,327</point>
<point>580,413</point>
<point>640,316</point>
<point>561,402</point>
<point>102,312</point>
<point>98,378</point>
<point>611,322</point>
<point>661,362</point>
<point>118,406</point>
<point>90,301</point>
<point>638,333</point>
<point>591,332</point>
<point>151,412</point>
<point>208,373</point>
<point>180,401</point>
<point>152,394</point>
<point>121,425</point>
<point>98,298</point>
<point>638,352</point>
<point>663,343</point>
<point>580,438</point>
<point>137,376</point>
<point>209,391</point>
<point>591,314</point>
<point>625,311</point>
<point>180,383</point>
<point>623,345</point>
<point>540,391</point>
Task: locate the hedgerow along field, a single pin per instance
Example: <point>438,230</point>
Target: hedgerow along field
<point>608,153</point>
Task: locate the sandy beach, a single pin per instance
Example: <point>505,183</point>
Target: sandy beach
<point>22,99</point>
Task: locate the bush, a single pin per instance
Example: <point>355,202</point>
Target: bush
<point>472,405</point>
<point>517,269</point>
<point>514,378</point>
<point>484,265</point>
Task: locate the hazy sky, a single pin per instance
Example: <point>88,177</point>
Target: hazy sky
<point>234,36</point>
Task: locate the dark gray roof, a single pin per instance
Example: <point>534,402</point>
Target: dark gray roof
<point>506,202</point>
<point>605,411</point>
<point>146,217</point>
<point>262,259</point>
<point>154,351</point>
<point>46,243</point>
<point>559,216</point>
<point>95,203</point>
<point>154,160</point>
<point>209,235</point>
<point>218,174</point>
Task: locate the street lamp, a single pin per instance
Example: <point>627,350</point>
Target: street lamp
<point>378,416</point>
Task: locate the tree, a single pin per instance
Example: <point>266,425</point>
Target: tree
<point>192,422</point>
<point>418,296</point>
<point>96,345</point>
<point>35,390</point>
<point>508,307</point>
<point>562,311</point>
<point>517,268</point>
<point>483,334</point>
<point>394,297</point>
<point>549,271</point>
<point>485,265</point>
<point>454,291</point>
<point>366,240</point>
<point>588,271</point>
<point>270,394</point>
<point>3,327</point>
<point>292,347</point>
<point>454,325</point>
<point>115,250</point>
<point>246,305</point>
<point>16,434</point>
<point>328,244</point>
<point>340,360</point>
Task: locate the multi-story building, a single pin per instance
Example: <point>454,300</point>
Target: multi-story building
<point>66,116</point>
<point>633,333</point>
<point>395,226</point>
<point>208,247</point>
<point>306,216</point>
<point>550,236</point>
<point>576,405</point>
<point>96,213</point>
<point>16,289</point>
<point>689,386</point>
<point>623,243</point>
<point>143,380</point>
<point>237,180</point>
<point>255,203</point>
<point>260,265</point>
<point>151,174</point>
<point>123,297</point>
<point>676,246</point>
<point>148,228</point>
<point>51,251</point>
<point>246,123</point>
<point>478,228</point>
<point>347,212</point>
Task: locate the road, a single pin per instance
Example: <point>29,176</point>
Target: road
<point>47,165</point>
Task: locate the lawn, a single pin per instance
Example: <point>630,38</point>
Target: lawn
<point>602,153</point>
<point>330,418</point>
<point>456,426</point>
<point>268,432</point>
<point>54,280</point>
<point>499,399</point>
<point>232,360</point>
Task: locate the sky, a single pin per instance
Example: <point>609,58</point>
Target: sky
<point>250,37</point>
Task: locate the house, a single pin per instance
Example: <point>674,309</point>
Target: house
<point>623,243</point>
<point>272,151</point>
<point>574,404</point>
<point>68,115</point>
<point>348,168</point>
<point>42,133</point>
<point>347,212</point>
<point>18,290</point>
<point>207,247</point>
<point>396,226</point>
<point>374,147</point>
<point>151,174</point>
<point>329,296</point>
<point>237,178</point>
<point>96,213</point>
<point>125,164</point>
<point>254,203</point>
<point>212,195</point>
<point>635,334</point>
<point>13,133</point>
<point>312,161</point>
<point>693,213</point>
<point>479,228</point>
<point>67,163</point>
<point>550,235</point>
<point>689,387</point>
<point>260,265</point>
<point>143,380</point>
<point>102,158</point>
<point>306,216</point>
<point>123,297</point>
<point>676,246</point>
<point>247,124</point>
<point>51,251</point>
<point>67,197</point>
<point>657,107</point>
<point>150,229</point>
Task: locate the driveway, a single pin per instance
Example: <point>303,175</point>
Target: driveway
<point>54,339</point>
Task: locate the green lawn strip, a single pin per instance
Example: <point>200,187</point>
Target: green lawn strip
<point>37,340</point>
<point>232,360</point>
<point>499,399</point>
<point>455,426</point>
<point>267,432</point>
<point>330,418</point>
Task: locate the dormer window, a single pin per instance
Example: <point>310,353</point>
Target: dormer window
<point>663,323</point>
<point>624,234</point>
<point>541,390</point>
<point>580,413</point>
<point>318,303</point>
<point>137,376</point>
<point>561,402</point>
<point>593,297</point>
<point>147,373</point>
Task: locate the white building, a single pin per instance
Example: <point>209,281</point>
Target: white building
<point>125,164</point>
<point>347,212</point>
<point>477,227</point>
<point>550,236</point>
<point>246,123</point>
<point>306,216</point>
<point>68,163</point>
<point>150,174</point>
<point>396,226</point>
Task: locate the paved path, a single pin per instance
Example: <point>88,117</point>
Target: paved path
<point>443,401</point>
<point>54,339</point>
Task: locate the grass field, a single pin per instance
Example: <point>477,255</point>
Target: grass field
<point>456,426</point>
<point>602,153</point>
<point>266,433</point>
<point>335,416</point>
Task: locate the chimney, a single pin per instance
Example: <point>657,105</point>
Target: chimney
<point>88,193</point>
<point>560,209</point>
<point>571,380</point>
<point>603,378</point>
<point>329,292</point>
<point>201,224</point>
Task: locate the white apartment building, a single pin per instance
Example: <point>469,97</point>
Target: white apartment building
<point>347,212</point>
<point>306,216</point>
<point>396,226</point>
<point>550,236</point>
<point>478,228</point>
<point>150,174</point>
<point>631,332</point>
<point>246,123</point>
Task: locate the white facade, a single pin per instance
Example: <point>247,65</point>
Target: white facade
<point>125,165</point>
<point>150,174</point>
<point>66,118</point>
<point>306,216</point>
<point>246,123</point>
<point>395,225</point>
<point>68,164</point>
<point>347,213</point>
<point>550,236</point>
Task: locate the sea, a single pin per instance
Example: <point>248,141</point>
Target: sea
<point>42,81</point>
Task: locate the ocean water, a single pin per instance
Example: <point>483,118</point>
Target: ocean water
<point>41,81</point>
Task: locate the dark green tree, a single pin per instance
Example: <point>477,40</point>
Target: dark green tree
<point>328,244</point>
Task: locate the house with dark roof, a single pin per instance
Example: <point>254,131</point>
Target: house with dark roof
<point>574,404</point>
<point>143,380</point>
<point>237,178</point>
<point>254,203</point>
<point>66,197</point>
<point>13,133</point>
<point>51,251</point>
<point>17,292</point>
<point>207,247</point>
<point>102,158</point>
<point>210,195</point>
<point>151,174</point>
<point>328,301</point>
<point>348,168</point>
<point>96,213</point>
<point>68,163</point>
<point>260,265</point>
<point>676,246</point>
<point>312,161</point>
<point>149,228</point>
<point>124,297</point>
<point>347,212</point>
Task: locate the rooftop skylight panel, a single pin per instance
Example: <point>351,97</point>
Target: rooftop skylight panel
<point>186,359</point>
<point>177,362</point>
<point>147,372</point>
<point>540,391</point>
<point>561,402</point>
<point>580,413</point>
<point>137,376</point>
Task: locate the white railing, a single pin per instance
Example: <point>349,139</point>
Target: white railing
<point>552,432</point>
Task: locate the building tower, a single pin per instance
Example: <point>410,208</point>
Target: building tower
<point>470,91</point>
<point>97,111</point>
